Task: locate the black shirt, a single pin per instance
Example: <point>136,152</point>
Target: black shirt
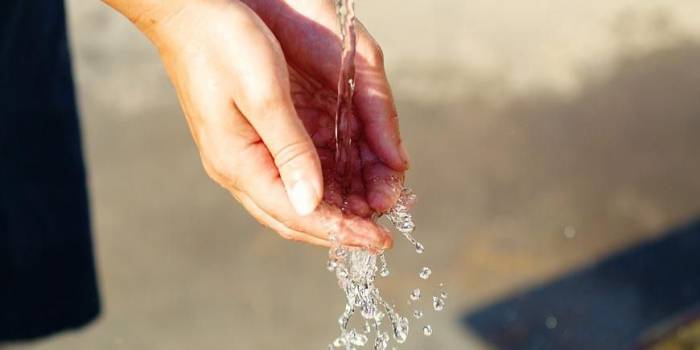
<point>47,274</point>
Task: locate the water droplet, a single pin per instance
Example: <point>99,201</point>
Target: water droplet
<point>332,265</point>
<point>551,322</point>
<point>406,226</point>
<point>341,252</point>
<point>428,330</point>
<point>425,273</point>
<point>359,340</point>
<point>368,310</point>
<point>417,314</point>
<point>384,269</point>
<point>438,304</point>
<point>339,342</point>
<point>419,248</point>
<point>569,232</point>
<point>381,342</point>
<point>401,330</point>
<point>415,294</point>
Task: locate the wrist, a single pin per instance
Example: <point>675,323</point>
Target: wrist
<point>149,15</point>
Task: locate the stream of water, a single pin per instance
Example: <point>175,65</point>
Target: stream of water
<point>379,324</point>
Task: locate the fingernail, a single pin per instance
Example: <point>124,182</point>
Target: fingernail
<point>303,197</point>
<point>388,243</point>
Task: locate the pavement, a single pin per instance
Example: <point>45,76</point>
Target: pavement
<point>545,136</point>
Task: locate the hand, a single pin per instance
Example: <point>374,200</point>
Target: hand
<point>257,83</point>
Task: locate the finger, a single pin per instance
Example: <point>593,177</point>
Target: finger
<point>383,184</point>
<point>374,103</point>
<point>263,95</point>
<point>268,221</point>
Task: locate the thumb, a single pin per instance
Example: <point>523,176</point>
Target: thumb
<point>263,96</point>
<point>275,120</point>
<point>299,167</point>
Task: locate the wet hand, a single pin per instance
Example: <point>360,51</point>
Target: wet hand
<point>258,93</point>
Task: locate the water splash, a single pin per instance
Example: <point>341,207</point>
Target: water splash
<point>384,270</point>
<point>401,218</point>
<point>356,269</point>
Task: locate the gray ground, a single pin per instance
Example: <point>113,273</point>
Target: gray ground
<point>522,120</point>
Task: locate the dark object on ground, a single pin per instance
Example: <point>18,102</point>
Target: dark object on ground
<point>605,306</point>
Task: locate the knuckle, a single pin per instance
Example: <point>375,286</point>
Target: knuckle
<point>266,103</point>
<point>222,171</point>
<point>376,55</point>
<point>291,153</point>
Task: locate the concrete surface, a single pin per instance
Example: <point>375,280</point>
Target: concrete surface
<point>525,121</point>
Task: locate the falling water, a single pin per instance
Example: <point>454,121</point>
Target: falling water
<point>357,269</point>
<point>346,89</point>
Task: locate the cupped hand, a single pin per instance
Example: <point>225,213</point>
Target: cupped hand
<point>257,83</point>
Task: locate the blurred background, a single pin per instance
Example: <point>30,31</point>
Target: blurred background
<point>555,150</point>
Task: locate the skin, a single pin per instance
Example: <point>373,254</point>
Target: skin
<point>257,82</point>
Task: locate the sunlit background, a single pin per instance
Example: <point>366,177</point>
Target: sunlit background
<point>555,150</point>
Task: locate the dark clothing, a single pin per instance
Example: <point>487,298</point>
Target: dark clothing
<point>47,274</point>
